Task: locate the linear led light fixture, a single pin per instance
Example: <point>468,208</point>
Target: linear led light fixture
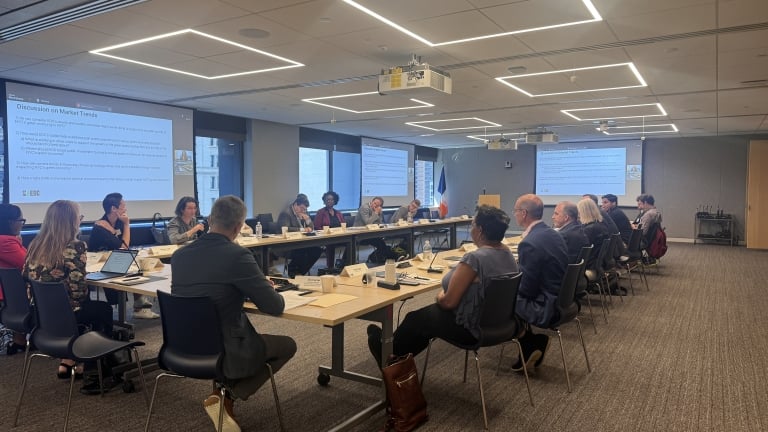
<point>661,113</point>
<point>643,130</point>
<point>422,104</point>
<point>630,65</point>
<point>421,124</point>
<point>102,52</point>
<point>484,137</point>
<point>587,3</point>
<point>49,15</point>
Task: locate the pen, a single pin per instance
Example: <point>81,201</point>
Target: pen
<point>420,278</point>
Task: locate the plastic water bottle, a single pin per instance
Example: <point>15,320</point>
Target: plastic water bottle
<point>427,250</point>
<point>258,230</point>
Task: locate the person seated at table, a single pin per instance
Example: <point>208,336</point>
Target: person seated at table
<point>591,223</point>
<point>56,255</point>
<point>332,218</point>
<point>295,217</point>
<point>406,212</point>
<point>217,267</point>
<point>12,255</point>
<point>455,315</point>
<point>370,213</point>
<point>184,227</point>
<point>565,219</point>
<point>113,231</point>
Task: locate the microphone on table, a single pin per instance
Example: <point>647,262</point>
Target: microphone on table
<point>434,270</point>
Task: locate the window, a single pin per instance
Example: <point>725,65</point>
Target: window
<point>313,175</point>
<point>424,182</point>
<point>219,164</point>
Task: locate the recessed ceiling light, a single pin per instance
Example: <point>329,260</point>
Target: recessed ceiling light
<point>479,124</point>
<point>573,77</point>
<point>595,16</point>
<point>103,52</point>
<point>660,112</point>
<point>254,33</point>
<point>642,129</point>
<point>420,104</point>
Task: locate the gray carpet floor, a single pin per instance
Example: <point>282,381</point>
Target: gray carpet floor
<point>688,355</point>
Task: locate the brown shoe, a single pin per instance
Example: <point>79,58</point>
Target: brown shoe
<point>212,406</point>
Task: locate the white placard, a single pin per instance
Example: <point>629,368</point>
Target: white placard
<point>373,227</point>
<point>337,230</point>
<point>163,250</point>
<point>468,247</point>
<point>354,270</point>
<point>294,235</point>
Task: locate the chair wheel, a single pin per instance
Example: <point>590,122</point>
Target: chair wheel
<point>128,387</point>
<point>323,379</point>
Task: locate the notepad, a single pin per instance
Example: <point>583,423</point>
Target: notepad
<point>327,300</point>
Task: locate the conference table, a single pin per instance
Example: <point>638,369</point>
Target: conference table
<point>349,237</point>
<point>367,302</point>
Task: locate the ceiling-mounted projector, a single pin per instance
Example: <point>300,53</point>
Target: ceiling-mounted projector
<point>541,138</point>
<point>414,76</point>
<point>502,144</point>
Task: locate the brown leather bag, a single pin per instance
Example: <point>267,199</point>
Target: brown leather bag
<point>407,406</point>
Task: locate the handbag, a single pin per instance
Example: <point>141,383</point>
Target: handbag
<point>407,407</point>
<point>160,233</point>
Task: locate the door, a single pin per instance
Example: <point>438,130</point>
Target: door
<point>757,195</point>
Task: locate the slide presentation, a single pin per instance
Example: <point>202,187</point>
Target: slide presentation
<point>387,171</point>
<point>79,146</point>
<point>567,171</point>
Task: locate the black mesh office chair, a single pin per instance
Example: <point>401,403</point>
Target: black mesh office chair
<point>15,311</point>
<point>56,335</point>
<point>498,325</point>
<point>192,346</point>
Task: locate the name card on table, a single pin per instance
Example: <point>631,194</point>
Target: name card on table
<point>424,221</point>
<point>468,247</point>
<point>294,235</point>
<point>373,227</point>
<point>308,282</point>
<point>163,250</point>
<point>337,230</point>
<point>354,270</point>
<point>402,223</point>
<point>246,241</point>
<point>464,217</point>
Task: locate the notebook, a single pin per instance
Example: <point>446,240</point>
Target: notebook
<point>117,264</point>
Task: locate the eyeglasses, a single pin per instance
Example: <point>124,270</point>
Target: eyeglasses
<point>519,210</point>
<point>82,217</point>
<point>22,220</point>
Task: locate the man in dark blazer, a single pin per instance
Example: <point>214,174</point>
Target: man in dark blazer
<point>216,267</point>
<point>543,259</point>
<point>565,219</point>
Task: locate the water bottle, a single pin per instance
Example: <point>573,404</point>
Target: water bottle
<point>427,251</point>
<point>258,230</point>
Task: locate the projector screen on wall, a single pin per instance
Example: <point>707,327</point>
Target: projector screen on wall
<point>80,147</point>
<point>387,171</point>
<point>565,172</point>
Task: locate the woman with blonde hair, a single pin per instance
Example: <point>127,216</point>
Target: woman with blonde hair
<point>56,255</point>
<point>592,224</point>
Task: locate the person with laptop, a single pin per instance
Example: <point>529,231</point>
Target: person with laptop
<point>456,313</point>
<point>113,231</point>
<point>217,267</point>
<point>56,255</point>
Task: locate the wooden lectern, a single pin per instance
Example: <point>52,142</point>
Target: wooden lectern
<point>491,200</point>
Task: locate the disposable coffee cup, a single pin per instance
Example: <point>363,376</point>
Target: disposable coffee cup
<point>326,229</point>
<point>285,232</point>
<point>326,283</point>
<point>343,226</point>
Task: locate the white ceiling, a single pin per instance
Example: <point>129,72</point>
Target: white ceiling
<point>704,61</point>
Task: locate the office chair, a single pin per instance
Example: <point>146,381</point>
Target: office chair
<point>56,335</point>
<point>192,346</point>
<point>583,283</point>
<point>633,261</point>
<point>568,311</point>
<point>498,326</point>
<point>16,312</point>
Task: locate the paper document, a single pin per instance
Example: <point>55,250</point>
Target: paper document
<point>327,300</point>
<point>294,300</point>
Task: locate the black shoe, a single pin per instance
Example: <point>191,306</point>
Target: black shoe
<point>91,385</point>
<point>374,342</point>
<point>14,348</point>
<point>542,344</point>
<point>531,353</point>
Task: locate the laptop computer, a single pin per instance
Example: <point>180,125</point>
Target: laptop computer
<point>117,264</point>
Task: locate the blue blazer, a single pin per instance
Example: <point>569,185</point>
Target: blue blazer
<point>543,259</point>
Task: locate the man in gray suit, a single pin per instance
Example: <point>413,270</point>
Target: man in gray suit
<point>216,267</point>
